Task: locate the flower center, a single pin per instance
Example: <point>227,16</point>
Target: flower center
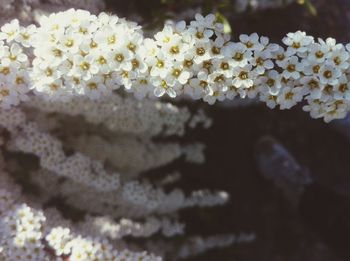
<point>224,66</point>
<point>316,68</point>
<point>200,51</point>
<point>176,72</point>
<point>69,43</point>
<point>343,87</point>
<point>289,96</point>
<point>199,35</point>
<point>313,84</point>
<point>327,74</point>
<point>249,44</point>
<point>270,82</point>
<point>215,50</point>
<point>238,56</point>
<point>219,78</point>
<point>175,49</point>
<point>203,84</point>
<point>92,86</point>
<point>4,92</point>
<point>160,64</point>
<point>337,60</point>
<point>119,57</point>
<point>102,60</point>
<point>135,63</point>
<point>291,67</point>
<point>296,45</point>
<point>319,54</point>
<point>54,87</point>
<point>19,80</point>
<point>243,75</point>
<point>5,70</point>
<point>132,47</point>
<point>85,66</point>
<point>188,63</point>
<point>111,39</point>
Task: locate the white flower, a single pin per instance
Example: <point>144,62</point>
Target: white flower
<point>162,87</point>
<point>10,31</point>
<point>95,87</point>
<point>101,60</point>
<point>329,74</point>
<point>110,82</point>
<point>342,89</point>
<point>313,85</point>
<point>339,57</point>
<point>207,21</point>
<point>201,51</point>
<point>271,83</point>
<point>84,66</point>
<point>175,48</point>
<point>297,42</point>
<point>262,61</point>
<point>317,52</point>
<point>269,99</point>
<point>231,92</point>
<point>223,66</point>
<point>54,90</point>
<point>14,56</point>
<point>25,35</point>
<point>70,42</point>
<point>290,96</point>
<point>177,74</point>
<point>216,94</point>
<point>217,45</point>
<point>218,81</point>
<point>58,239</point>
<point>251,42</point>
<point>199,33</point>
<point>251,92</point>
<point>44,73</point>
<point>243,77</point>
<point>165,36</point>
<point>120,59</point>
<point>334,110</point>
<point>8,96</point>
<point>142,87</point>
<point>110,36</point>
<point>134,42</point>
<point>315,107</point>
<point>160,65</point>
<point>327,94</point>
<point>199,86</point>
<point>280,56</point>
<point>292,68</point>
<point>125,78</point>
<point>238,54</point>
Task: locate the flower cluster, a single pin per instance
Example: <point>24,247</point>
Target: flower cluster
<point>27,234</point>
<point>14,63</point>
<point>127,115</point>
<point>79,54</point>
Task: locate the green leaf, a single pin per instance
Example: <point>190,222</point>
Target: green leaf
<point>312,9</point>
<point>309,6</point>
<point>222,19</point>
